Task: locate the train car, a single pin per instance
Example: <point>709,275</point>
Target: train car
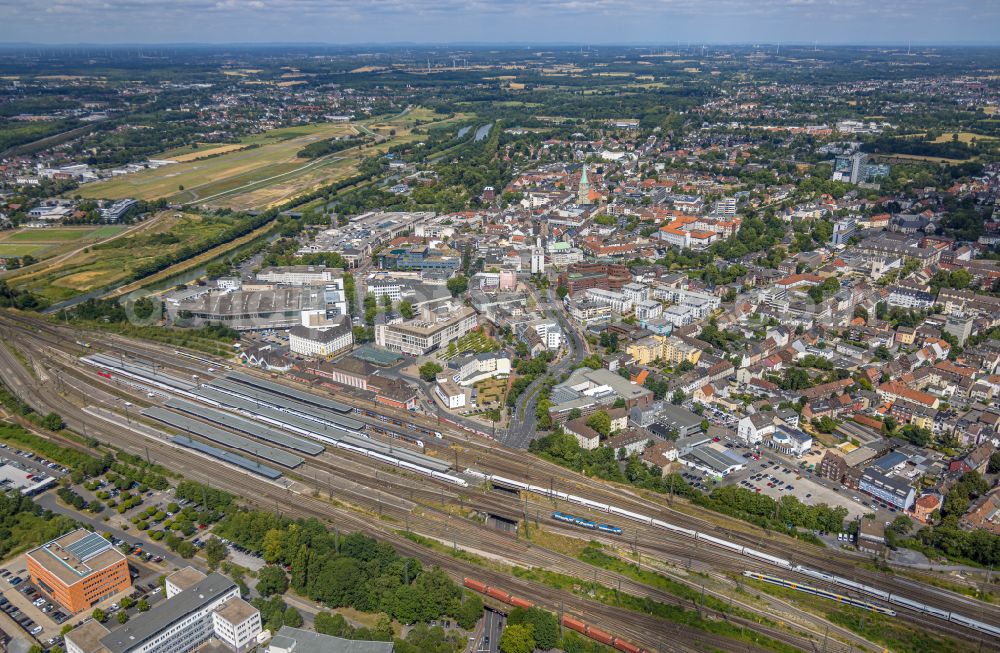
<point>720,542</point>
<point>574,624</point>
<point>509,482</point>
<point>607,528</point>
<point>806,571</point>
<point>499,595</point>
<point>603,507</point>
<point>626,647</point>
<point>586,523</point>
<point>781,562</point>
<point>627,514</point>
<point>927,609</point>
<point>474,584</point>
<point>518,602</point>
<point>671,527</point>
<point>563,517</point>
<point>600,635</point>
<point>975,625</point>
<point>874,591</point>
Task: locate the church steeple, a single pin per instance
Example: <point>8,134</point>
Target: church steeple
<point>583,195</point>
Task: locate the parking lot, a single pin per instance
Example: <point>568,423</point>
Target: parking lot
<point>768,472</point>
<point>41,617</point>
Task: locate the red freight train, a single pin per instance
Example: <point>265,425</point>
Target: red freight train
<point>498,594</point>
<point>600,635</point>
<point>567,621</point>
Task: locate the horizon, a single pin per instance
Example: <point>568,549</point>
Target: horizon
<point>927,23</point>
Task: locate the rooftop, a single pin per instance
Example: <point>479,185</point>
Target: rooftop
<point>76,555</point>
<point>149,624</point>
<point>304,641</point>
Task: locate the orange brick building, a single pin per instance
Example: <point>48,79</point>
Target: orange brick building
<point>79,569</point>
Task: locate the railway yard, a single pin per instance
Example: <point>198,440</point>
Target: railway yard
<point>388,473</point>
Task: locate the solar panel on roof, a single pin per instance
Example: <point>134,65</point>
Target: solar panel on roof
<point>88,546</point>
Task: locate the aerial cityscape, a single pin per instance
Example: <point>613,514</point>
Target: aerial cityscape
<point>442,341</point>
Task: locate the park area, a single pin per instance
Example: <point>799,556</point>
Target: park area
<point>263,170</point>
<point>45,243</point>
<point>99,266</point>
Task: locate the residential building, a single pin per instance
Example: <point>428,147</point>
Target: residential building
<point>633,441</point>
<point>895,491</point>
<point>648,309</point>
<point>586,312</point>
<point>753,428</point>
<point>618,301</point>
<point>959,325</point>
<point>450,393</point>
<point>585,436</point>
<point>79,569</point>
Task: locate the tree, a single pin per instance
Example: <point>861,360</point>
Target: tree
<point>122,617</point>
<point>271,580</point>
<point>386,301</point>
<point>994,465</point>
<point>126,603</point>
<point>600,422</point>
<point>545,627</point>
<point>406,309</point>
<point>291,617</point>
<point>429,370</point>
<point>98,615</point>
<point>518,639</point>
<point>458,284</point>
<point>677,398</point>
<point>142,605</point>
<point>53,422</point>
<point>215,552</point>
<point>561,292</point>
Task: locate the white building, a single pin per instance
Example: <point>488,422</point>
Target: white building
<point>298,275</point>
<point>648,309</point>
<point>473,369</point>
<point>326,341</point>
<point>789,441</point>
<point>637,292</point>
<point>178,625</point>
<point>537,260</point>
<point>550,332</point>
<point>753,428</point>
<point>452,395</point>
<point>434,330</point>
<point>237,624</point>
<point>679,315</point>
<point>618,302</point>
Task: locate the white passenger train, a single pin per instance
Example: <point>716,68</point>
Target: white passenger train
<point>840,581</point>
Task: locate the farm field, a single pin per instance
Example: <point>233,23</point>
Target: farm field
<point>266,175</point>
<point>104,264</point>
<point>42,243</point>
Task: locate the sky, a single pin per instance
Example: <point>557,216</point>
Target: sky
<point>501,21</point>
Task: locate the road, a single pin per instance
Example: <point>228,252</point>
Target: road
<point>522,429</point>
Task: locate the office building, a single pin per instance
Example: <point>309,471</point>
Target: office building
<point>177,625</point>
<point>434,330</point>
<point>237,623</point>
<point>79,569</point>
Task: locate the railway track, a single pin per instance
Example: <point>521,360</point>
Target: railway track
<point>500,459</point>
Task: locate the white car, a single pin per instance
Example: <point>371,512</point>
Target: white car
<point>36,630</point>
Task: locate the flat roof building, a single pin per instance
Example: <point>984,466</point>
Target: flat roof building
<point>296,640</point>
<point>177,625</point>
<point>79,569</point>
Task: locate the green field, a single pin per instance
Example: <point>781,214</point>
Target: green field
<point>275,154</point>
<point>49,235</point>
<point>110,262</point>
<point>267,174</point>
<point>11,249</point>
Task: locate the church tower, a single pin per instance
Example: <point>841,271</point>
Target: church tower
<point>583,196</point>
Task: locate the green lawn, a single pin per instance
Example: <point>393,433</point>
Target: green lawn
<point>107,231</point>
<point>14,249</point>
<point>48,235</point>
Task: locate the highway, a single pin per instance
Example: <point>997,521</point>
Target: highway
<point>391,495</point>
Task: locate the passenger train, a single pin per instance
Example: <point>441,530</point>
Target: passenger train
<point>839,581</point>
